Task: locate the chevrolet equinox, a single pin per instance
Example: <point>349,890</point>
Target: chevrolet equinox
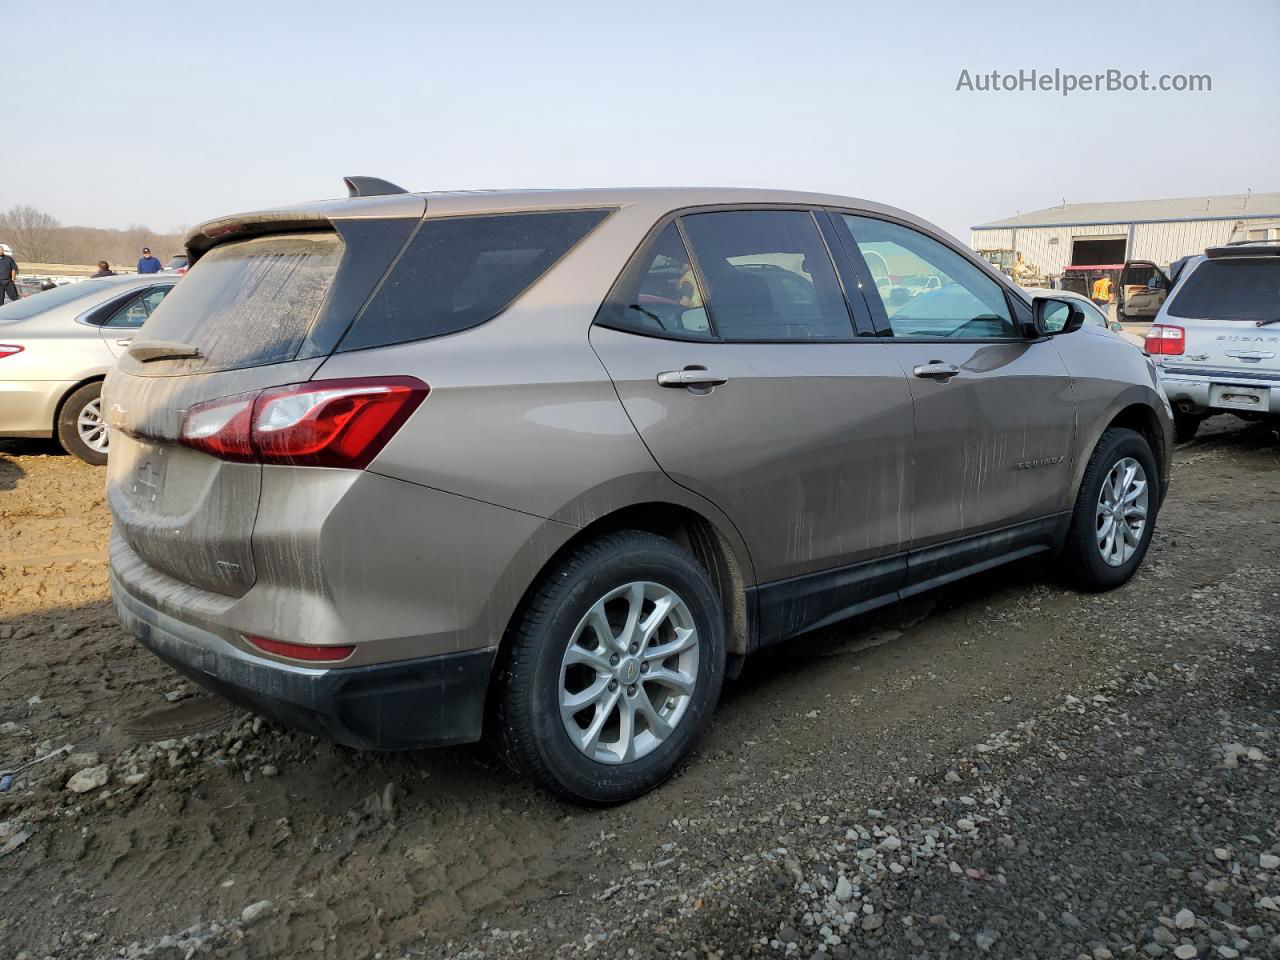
<point>408,469</point>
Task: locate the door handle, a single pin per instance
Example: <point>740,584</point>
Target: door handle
<point>936,370</point>
<point>124,342</point>
<point>690,377</point>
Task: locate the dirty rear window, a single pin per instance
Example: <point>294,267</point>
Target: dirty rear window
<point>249,303</point>
<point>458,272</point>
<point>1243,289</point>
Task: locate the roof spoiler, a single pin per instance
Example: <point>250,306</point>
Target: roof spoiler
<point>371,187</point>
<point>1250,248</point>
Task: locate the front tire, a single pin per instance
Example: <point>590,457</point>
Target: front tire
<point>613,670</point>
<point>81,428</point>
<point>1115,512</point>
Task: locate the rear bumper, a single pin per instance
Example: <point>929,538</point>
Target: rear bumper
<point>27,406</point>
<point>1184,387</point>
<point>429,701</point>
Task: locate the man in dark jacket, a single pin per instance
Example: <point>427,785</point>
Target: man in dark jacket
<point>8,275</point>
<point>148,263</point>
<point>104,270</point>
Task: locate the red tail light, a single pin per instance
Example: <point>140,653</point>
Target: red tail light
<point>302,651</point>
<point>1165,340</point>
<point>9,349</point>
<point>324,423</point>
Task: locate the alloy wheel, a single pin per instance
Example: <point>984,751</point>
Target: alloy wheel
<point>92,427</point>
<point>1122,511</point>
<point>628,674</point>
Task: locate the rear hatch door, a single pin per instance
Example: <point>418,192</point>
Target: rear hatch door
<point>255,311</point>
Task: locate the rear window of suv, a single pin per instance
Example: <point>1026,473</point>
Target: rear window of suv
<point>249,303</point>
<point>459,272</point>
<point>1243,289</point>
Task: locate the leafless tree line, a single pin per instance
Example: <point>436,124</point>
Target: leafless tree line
<point>38,237</point>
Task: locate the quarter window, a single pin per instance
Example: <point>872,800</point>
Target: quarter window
<point>459,272</point>
<point>766,275</point>
<point>664,298</point>
<point>928,290</point>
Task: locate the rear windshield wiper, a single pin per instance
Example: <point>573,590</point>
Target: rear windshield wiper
<point>1263,323</point>
<point>146,351</point>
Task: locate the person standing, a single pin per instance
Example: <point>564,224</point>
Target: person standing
<point>1102,290</point>
<point>8,275</point>
<point>148,263</point>
<point>104,270</point>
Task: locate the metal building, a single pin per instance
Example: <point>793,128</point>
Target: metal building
<point>1086,234</point>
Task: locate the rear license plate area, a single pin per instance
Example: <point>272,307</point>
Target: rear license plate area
<point>147,485</point>
<point>1256,399</point>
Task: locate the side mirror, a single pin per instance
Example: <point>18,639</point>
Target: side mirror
<point>1055,317</point>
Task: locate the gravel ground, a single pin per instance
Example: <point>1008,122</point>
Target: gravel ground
<point>1003,768</point>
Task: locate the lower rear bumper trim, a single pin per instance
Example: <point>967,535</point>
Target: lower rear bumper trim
<point>405,704</point>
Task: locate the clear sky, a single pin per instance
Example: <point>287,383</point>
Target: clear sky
<point>169,113</point>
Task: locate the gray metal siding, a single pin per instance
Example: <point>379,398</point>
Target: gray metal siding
<point>1046,248</point>
<point>1165,242</point>
<point>991,239</point>
<point>1159,242</point>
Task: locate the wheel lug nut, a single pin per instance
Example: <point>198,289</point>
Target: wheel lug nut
<point>644,668</point>
<point>613,661</point>
<point>613,685</point>
<point>631,691</point>
<point>635,648</point>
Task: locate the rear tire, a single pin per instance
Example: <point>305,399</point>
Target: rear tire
<point>1121,485</point>
<point>641,713</point>
<point>1185,426</point>
<point>81,429</point>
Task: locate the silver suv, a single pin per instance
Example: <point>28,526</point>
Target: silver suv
<point>1216,339</point>
<point>403,469</point>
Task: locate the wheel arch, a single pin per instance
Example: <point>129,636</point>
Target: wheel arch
<point>66,395</point>
<point>718,552</point>
<point>1142,419</point>
<point>1132,410</point>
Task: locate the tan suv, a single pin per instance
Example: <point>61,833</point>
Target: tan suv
<point>403,468</point>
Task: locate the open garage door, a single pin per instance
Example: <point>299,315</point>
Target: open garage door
<point>1095,251</point>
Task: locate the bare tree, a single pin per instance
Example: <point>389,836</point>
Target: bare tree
<point>32,233</point>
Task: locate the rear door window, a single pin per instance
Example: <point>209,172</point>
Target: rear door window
<point>250,303</point>
<point>1242,289</point>
<point>766,275</point>
<point>135,311</point>
<point>459,272</point>
<point>132,313</point>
